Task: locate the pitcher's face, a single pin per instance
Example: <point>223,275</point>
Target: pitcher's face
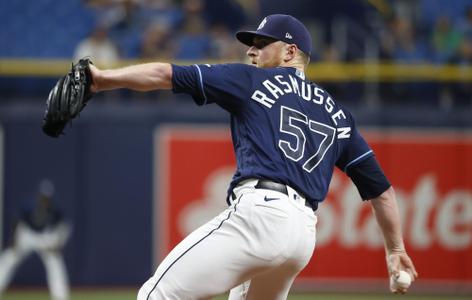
<point>266,52</point>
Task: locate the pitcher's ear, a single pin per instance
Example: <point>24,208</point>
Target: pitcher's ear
<point>291,51</point>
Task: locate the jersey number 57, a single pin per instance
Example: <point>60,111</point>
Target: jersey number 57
<point>295,123</point>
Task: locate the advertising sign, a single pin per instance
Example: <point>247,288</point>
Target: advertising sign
<point>430,171</point>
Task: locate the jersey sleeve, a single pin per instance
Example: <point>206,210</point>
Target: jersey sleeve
<point>355,151</point>
<point>227,85</point>
<point>369,178</point>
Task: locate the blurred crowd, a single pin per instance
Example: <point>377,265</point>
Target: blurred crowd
<point>433,32</point>
<point>398,30</point>
<point>165,29</point>
<point>442,40</point>
<point>428,32</point>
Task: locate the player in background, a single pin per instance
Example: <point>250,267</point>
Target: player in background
<point>41,229</point>
<point>288,135</point>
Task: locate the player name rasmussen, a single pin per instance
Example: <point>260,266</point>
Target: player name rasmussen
<point>280,86</point>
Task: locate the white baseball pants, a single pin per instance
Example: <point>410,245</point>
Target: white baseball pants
<point>256,247</point>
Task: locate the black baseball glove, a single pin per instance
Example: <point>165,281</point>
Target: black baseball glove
<point>68,97</point>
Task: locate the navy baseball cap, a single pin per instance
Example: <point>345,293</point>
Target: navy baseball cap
<point>280,27</point>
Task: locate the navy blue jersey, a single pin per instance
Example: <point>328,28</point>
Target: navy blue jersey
<point>284,128</point>
<point>40,217</point>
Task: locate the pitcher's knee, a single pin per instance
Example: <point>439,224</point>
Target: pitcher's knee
<point>152,291</point>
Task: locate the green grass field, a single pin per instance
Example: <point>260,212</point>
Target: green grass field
<point>129,294</point>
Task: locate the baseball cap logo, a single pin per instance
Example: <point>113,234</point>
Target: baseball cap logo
<point>288,36</point>
<point>262,24</point>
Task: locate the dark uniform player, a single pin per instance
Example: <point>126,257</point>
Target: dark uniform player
<point>288,136</point>
<point>42,229</point>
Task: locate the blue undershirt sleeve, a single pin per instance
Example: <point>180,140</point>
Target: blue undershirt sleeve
<point>369,178</point>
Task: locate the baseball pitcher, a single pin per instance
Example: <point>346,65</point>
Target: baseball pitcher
<point>288,135</point>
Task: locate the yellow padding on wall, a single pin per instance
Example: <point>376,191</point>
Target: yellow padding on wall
<point>370,72</point>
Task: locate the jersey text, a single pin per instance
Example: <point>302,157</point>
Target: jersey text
<point>281,85</point>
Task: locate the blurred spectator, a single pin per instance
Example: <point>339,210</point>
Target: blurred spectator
<point>386,38</point>
<point>157,42</point>
<point>407,9</point>
<point>252,10</point>
<point>99,47</point>
<point>461,90</point>
<point>463,56</point>
<point>403,45</point>
<point>126,20</point>
<point>162,11</point>
<point>399,42</point>
<point>465,25</point>
<point>407,46</point>
<point>224,46</point>
<point>445,40</point>
<point>343,91</point>
<point>193,41</point>
<point>229,13</point>
<point>431,10</point>
<point>41,228</point>
<point>331,54</point>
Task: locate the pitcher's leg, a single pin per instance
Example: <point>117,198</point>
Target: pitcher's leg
<point>275,283</point>
<point>210,261</point>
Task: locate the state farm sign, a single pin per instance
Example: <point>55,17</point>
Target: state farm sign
<point>431,173</point>
<point>434,219</point>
